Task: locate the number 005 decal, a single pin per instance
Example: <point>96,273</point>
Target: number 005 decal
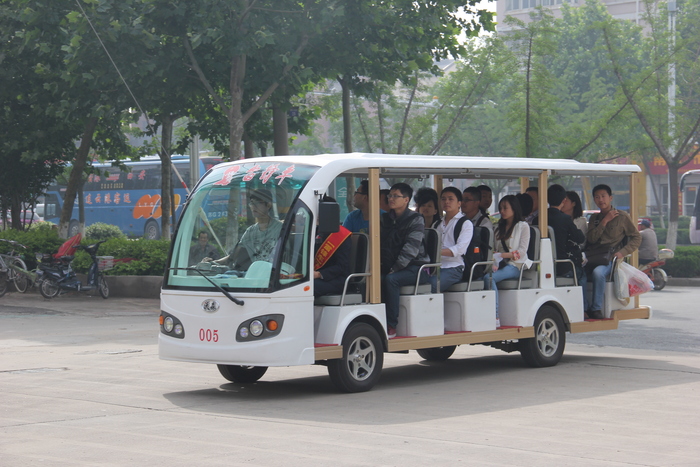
<point>209,335</point>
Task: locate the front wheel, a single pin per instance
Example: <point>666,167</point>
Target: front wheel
<point>152,230</point>
<point>363,357</point>
<point>20,279</point>
<point>242,374</point>
<point>102,286</point>
<point>49,288</point>
<point>659,279</point>
<point>547,347</point>
<point>437,354</point>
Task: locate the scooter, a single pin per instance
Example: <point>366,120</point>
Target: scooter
<point>57,275</point>
<point>653,270</point>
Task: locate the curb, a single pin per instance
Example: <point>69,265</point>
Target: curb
<point>684,281</point>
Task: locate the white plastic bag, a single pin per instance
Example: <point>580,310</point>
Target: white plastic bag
<point>630,281</point>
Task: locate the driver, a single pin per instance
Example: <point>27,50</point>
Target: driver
<point>259,240</point>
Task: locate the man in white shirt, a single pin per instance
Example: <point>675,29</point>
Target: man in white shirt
<point>452,248</point>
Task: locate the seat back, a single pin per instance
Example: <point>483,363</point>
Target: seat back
<point>359,263</point>
<point>433,247</point>
<point>561,281</point>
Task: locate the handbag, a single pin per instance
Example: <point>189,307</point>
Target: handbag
<point>599,255</point>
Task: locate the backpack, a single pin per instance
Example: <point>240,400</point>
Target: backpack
<point>477,251</point>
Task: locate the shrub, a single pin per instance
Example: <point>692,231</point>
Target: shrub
<point>40,240</point>
<point>685,263</point>
<point>148,256</point>
<point>101,231</point>
<point>682,239</point>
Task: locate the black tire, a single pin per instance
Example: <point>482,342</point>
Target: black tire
<point>3,285</point>
<point>242,374</point>
<point>49,288</point>
<point>547,347</point>
<point>152,230</point>
<point>73,228</point>
<point>363,357</point>
<point>659,279</point>
<point>102,286</point>
<point>437,354</point>
<point>21,281</point>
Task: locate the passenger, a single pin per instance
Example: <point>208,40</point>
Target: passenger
<point>566,235</point>
<point>525,202</point>
<point>649,249</point>
<point>533,192</point>
<point>453,248</point>
<point>203,249</point>
<point>384,200</point>
<point>511,243</point>
<point>427,204</point>
<point>402,251</point>
<point>471,203</point>
<point>259,240</point>
<point>607,231</point>
<point>332,261</point>
<point>358,220</point>
<point>486,198</point>
<point>573,207</point>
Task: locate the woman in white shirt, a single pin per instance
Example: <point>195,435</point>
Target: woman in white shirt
<point>512,237</point>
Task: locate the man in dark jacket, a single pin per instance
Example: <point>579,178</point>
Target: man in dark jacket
<point>402,251</point>
<point>329,276</point>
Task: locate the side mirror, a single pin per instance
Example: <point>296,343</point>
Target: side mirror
<point>328,217</point>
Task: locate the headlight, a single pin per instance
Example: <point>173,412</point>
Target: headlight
<point>169,323</point>
<point>256,328</point>
<point>243,332</point>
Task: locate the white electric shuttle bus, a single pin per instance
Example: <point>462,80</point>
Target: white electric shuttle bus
<point>258,309</point>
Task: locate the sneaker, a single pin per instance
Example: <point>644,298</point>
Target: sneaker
<point>498,322</point>
<point>390,332</point>
<point>597,314</point>
<point>585,315</point>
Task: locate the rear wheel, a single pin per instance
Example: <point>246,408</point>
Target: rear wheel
<point>102,286</point>
<point>152,230</point>
<point>363,357</point>
<point>659,279</point>
<point>49,288</point>
<point>3,284</point>
<point>20,279</point>
<point>73,228</point>
<point>242,374</point>
<point>547,347</point>
<point>437,354</point>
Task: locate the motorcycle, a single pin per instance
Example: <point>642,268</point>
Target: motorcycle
<point>653,270</point>
<point>57,275</point>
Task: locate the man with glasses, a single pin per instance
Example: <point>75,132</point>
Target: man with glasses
<point>471,200</point>
<point>358,220</point>
<point>402,251</point>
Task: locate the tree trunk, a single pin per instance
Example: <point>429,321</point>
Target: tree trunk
<point>672,233</point>
<point>76,176</point>
<point>280,131</point>
<point>238,64</point>
<point>248,147</point>
<point>166,177</point>
<point>81,207</point>
<point>347,126</point>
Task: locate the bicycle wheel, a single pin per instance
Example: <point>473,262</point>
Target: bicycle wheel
<point>3,285</point>
<point>19,278</point>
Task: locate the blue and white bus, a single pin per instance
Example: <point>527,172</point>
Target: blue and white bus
<point>130,200</point>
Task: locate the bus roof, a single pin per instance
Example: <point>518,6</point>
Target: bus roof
<point>397,165</point>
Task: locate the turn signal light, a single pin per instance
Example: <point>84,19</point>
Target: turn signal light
<point>272,325</point>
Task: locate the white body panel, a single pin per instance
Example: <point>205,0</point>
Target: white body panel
<point>293,346</point>
<point>470,311</point>
<point>519,307</point>
<point>421,315</point>
<point>330,322</point>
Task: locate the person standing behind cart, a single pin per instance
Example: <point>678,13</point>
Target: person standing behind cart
<point>402,251</point>
<point>649,248</point>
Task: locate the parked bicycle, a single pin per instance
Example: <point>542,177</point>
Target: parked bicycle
<point>58,275</point>
<point>13,269</point>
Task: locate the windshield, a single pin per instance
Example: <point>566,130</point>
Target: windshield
<point>232,233</point>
